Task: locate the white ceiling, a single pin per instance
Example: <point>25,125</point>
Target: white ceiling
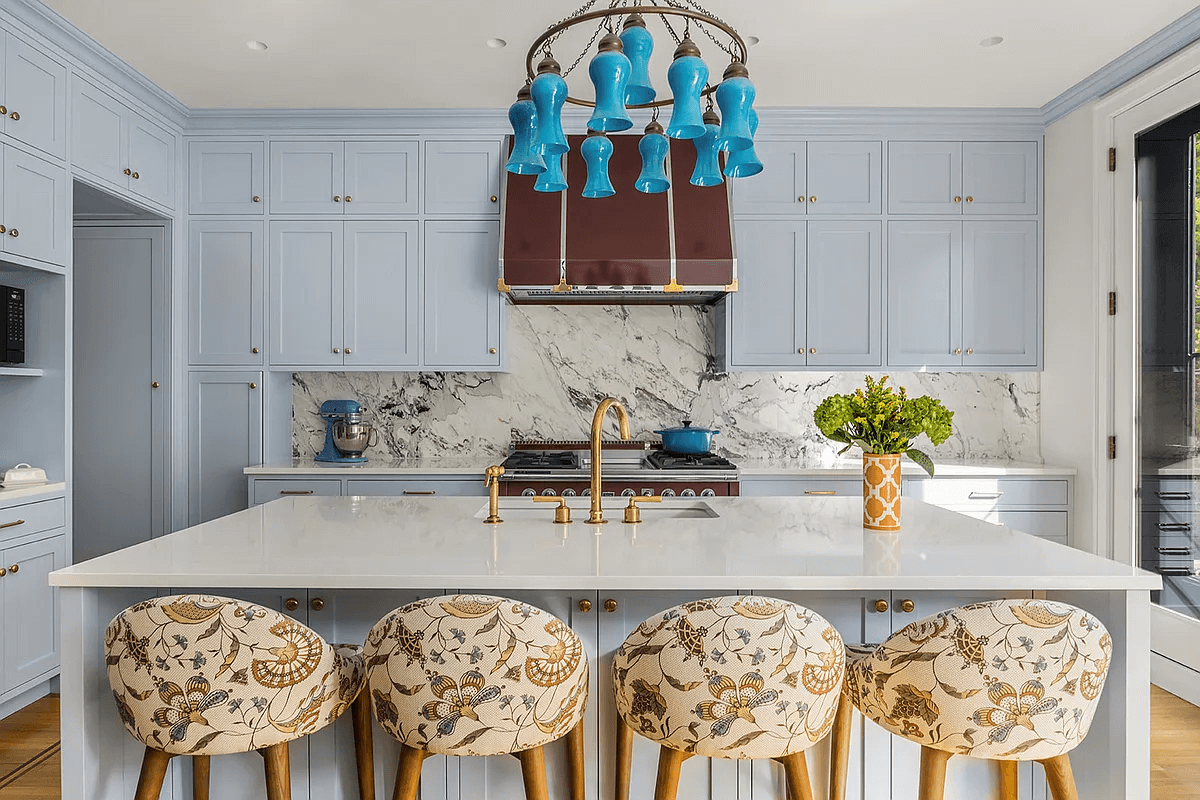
<point>433,53</point>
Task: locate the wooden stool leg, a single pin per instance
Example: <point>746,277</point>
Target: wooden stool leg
<point>154,771</point>
<point>666,787</point>
<point>1008,780</point>
<point>533,772</point>
<point>200,773</point>
<point>933,774</point>
<point>575,762</point>
<point>364,747</point>
<point>408,773</point>
<point>624,757</point>
<point>795,770</point>
<point>1060,778</point>
<point>279,771</point>
<point>839,749</point>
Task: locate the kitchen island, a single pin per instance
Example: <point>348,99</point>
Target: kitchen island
<point>341,563</point>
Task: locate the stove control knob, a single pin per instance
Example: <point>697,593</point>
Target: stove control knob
<point>568,493</point>
<point>528,493</point>
<point>586,492</point>
<point>688,493</point>
<point>628,493</point>
<point>668,492</point>
<point>708,493</point>
<point>548,493</point>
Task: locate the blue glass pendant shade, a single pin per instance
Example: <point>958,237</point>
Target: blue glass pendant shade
<point>687,76</point>
<point>708,161</point>
<point>735,96</point>
<point>639,45</point>
<point>552,180</point>
<point>744,163</point>
<point>653,147</point>
<point>596,151</point>
<point>610,71</point>
<point>549,92</point>
<point>523,116</point>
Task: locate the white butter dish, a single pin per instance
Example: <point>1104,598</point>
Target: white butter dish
<point>23,475</point>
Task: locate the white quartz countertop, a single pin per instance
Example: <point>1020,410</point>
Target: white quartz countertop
<point>450,466</point>
<point>24,494</point>
<point>718,544</point>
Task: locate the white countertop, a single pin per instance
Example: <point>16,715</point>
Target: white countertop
<point>442,543</point>
<point>25,494</point>
<point>451,465</point>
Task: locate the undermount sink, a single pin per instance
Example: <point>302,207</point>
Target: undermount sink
<point>523,508</point>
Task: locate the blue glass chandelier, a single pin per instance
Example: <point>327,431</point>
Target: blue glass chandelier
<point>619,70</point>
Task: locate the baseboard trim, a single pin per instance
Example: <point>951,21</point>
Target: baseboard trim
<point>1179,680</point>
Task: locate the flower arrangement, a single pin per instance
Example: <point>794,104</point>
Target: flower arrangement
<point>882,420</point>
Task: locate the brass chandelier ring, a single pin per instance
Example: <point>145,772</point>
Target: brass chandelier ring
<point>662,11</point>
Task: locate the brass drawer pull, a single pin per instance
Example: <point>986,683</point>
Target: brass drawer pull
<point>1174,526</point>
<point>1173,495</point>
<point>1175,571</point>
<point>295,491</point>
<point>985,495</point>
<point>12,524</point>
<point>409,492</point>
<point>811,491</point>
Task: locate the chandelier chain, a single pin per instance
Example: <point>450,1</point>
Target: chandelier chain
<point>667,22</point>
<point>578,13</point>
<point>727,49</point>
<point>587,48</point>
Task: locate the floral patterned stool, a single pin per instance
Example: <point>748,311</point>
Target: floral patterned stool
<point>201,676</point>
<point>727,677</point>
<point>474,675</point>
<point>1007,680</point>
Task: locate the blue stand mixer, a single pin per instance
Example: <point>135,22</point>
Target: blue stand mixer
<point>346,435</point>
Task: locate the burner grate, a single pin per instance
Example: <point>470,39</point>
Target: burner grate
<point>532,459</point>
<point>660,459</point>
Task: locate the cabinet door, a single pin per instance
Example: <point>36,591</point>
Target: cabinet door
<point>264,491</point>
<point>380,285</point>
<point>35,94</point>
<point>1000,177</point>
<point>35,209</point>
<point>441,487</point>
<point>99,135</point>
<point>306,177</point>
<point>225,437</point>
<point>1000,294</point>
<point>845,294</point>
<point>31,610</point>
<point>306,293</point>
<point>462,178</point>
<point>924,294</point>
<point>152,161</point>
<point>225,177</point>
<point>462,306</point>
<point>925,177</point>
<point>845,177</point>
<point>780,187</point>
<point>381,177</point>
<point>225,262</point>
<point>767,311</point>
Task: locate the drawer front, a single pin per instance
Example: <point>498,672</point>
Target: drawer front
<point>268,490</point>
<point>799,487</point>
<point>1179,495</point>
<point>416,488</point>
<point>33,518</point>
<point>1044,524</point>
<point>988,493</point>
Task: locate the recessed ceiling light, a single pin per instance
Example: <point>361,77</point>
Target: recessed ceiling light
<point>752,40</point>
<point>991,41</point>
<point>496,43</point>
<point>254,44</point>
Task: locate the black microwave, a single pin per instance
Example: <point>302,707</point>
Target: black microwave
<point>12,327</point>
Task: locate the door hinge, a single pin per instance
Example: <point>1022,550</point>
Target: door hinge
<point>1112,447</point>
<point>1112,304</point>
<point>1112,159</point>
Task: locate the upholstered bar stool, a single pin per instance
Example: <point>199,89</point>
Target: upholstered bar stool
<point>727,677</point>
<point>1007,680</point>
<point>201,676</point>
<point>475,675</point>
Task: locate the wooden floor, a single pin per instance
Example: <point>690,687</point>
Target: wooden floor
<point>30,763</point>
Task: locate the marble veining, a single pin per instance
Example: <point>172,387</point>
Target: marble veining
<point>660,361</point>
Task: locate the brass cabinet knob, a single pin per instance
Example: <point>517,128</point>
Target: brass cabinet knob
<point>317,604</point>
<point>970,351</point>
<point>153,384</point>
<point>291,604</point>
<point>610,605</point>
<point>3,109</point>
<point>585,605</point>
<point>257,199</point>
<point>136,176</point>
<point>3,572</point>
<point>800,350</point>
<point>881,605</point>
<point>348,351</point>
<point>958,198</point>
<point>14,569</point>
<point>253,385</point>
<point>13,232</point>
<point>494,198</point>
<point>812,199</point>
<point>337,349</point>
<point>970,199</point>
<point>337,198</point>
<point>958,351</point>
<point>348,198</point>
<point>3,229</point>
<point>492,351</point>
<point>254,350</point>
<point>907,606</point>
<point>812,350</point>
<point>14,116</point>
<point>800,199</point>
<point>128,171</point>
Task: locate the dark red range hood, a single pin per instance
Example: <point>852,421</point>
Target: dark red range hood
<point>674,247</point>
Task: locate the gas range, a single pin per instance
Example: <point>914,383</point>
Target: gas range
<point>630,468</point>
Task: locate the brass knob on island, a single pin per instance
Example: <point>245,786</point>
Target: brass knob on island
<point>153,384</point>
<point>317,604</point>
<point>3,572</point>
<point>585,605</point>
<point>881,605</point>
<point>907,606</point>
<point>610,605</point>
<point>291,604</point>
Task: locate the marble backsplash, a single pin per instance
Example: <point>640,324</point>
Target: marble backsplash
<point>659,360</point>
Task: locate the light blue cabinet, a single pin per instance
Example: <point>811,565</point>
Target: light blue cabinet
<point>35,98</point>
<point>462,178</point>
<point>1000,294</point>
<point>225,437</point>
<point>781,187</point>
<point>226,292</point>
<point>226,177</point>
<point>845,178</point>
<point>35,210</point>
<point>972,178</point>
<point>844,294</point>
<point>925,177</point>
<point>767,312</point>
<point>381,178</point>
<point>925,294</point>
<point>306,294</point>
<point>152,161</point>
<point>344,178</point>
<point>462,309</point>
<point>306,177</point>
<point>29,642</point>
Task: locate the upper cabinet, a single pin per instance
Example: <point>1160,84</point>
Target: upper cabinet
<point>120,147</point>
<point>226,177</point>
<point>366,178</point>
<point>813,178</point>
<point>33,105</point>
<point>225,297</point>
<point>463,311</point>
<point>969,178</point>
<point>35,220</point>
<point>462,178</point>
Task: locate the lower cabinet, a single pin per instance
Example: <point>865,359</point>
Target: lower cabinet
<point>29,641</point>
<point>265,489</point>
<point>416,488</point>
<point>225,436</point>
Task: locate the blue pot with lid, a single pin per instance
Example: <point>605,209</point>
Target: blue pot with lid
<point>687,440</point>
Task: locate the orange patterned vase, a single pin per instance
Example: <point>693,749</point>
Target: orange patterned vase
<point>881,491</point>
